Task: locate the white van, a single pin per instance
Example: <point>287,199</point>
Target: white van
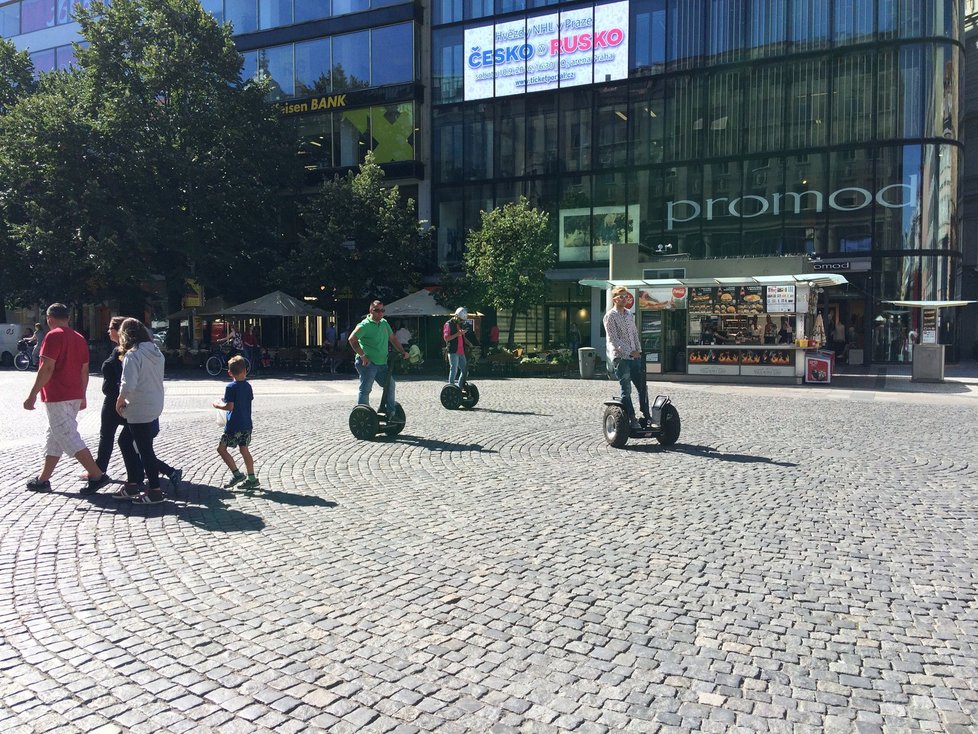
<point>10,334</point>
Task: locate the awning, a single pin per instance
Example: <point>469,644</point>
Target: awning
<point>929,304</point>
<point>822,280</point>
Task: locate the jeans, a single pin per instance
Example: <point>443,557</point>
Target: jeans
<point>132,454</point>
<point>139,436</point>
<point>457,368</point>
<point>628,371</point>
<point>111,420</point>
<point>374,373</point>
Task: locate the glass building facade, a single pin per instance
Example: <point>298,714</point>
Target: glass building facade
<point>733,129</point>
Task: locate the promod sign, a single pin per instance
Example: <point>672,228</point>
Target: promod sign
<point>556,50</point>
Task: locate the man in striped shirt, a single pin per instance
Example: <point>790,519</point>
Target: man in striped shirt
<point>624,353</point>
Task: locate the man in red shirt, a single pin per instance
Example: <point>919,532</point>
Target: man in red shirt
<point>62,381</point>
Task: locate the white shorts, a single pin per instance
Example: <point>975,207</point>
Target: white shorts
<point>63,435</point>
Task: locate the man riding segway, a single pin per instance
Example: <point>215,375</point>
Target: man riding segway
<point>457,333</point>
<point>371,340</point>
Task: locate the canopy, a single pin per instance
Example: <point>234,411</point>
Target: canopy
<point>420,303</point>
<point>211,305</point>
<point>929,304</point>
<point>822,280</point>
<point>275,303</point>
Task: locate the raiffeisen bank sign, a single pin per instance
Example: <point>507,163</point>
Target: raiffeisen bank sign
<point>569,48</point>
<point>849,199</point>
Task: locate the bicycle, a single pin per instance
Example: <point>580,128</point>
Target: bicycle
<point>218,362</point>
<point>24,359</point>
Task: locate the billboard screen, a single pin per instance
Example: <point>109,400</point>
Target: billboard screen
<point>548,51</point>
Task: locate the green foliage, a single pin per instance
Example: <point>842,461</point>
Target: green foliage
<point>359,235</point>
<point>16,75</point>
<point>509,257</point>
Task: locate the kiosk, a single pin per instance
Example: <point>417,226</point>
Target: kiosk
<point>928,355</point>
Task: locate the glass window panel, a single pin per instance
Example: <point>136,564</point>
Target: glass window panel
<point>477,198</point>
<point>941,94</point>
<point>447,71</point>
<point>898,223</point>
<point>353,136</point>
<point>724,119</point>
<point>44,61</point>
<point>914,64</point>
<point>809,24</point>
<point>305,10</point>
<point>767,27</point>
<point>446,144</point>
<point>277,65</point>
<point>807,104</point>
<point>510,6</point>
<point>894,278</point>
<point>726,32</point>
<point>449,229</point>
<point>312,65</point>
<point>852,103</point>
<point>611,127</point>
<point>344,7</point>
<point>315,146</point>
<point>850,204</point>
<point>507,192</point>
<point>392,131</point>
<point>510,137</point>
<point>681,229</point>
<point>762,227</point>
<point>766,91</point>
<point>478,140</point>
<point>446,11</point>
<point>10,20</point>
<point>476,8</point>
<point>575,219</point>
<point>249,69</point>
<point>912,17</point>
<point>351,66</point>
<point>646,122</point>
<point>35,15</point>
<point>939,176</point>
<point>853,21</point>
<point>274,13</point>
<point>648,28</point>
<point>65,57</point>
<point>242,15</point>
<point>64,12</point>
<point>686,28</point>
<point>721,228</point>
<point>541,134</point>
<point>392,54</point>
<point>575,130</point>
<point>684,115</point>
<point>802,203</point>
<point>215,8</point>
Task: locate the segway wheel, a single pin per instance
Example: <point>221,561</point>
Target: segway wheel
<point>395,423</point>
<point>471,396</point>
<point>615,426</point>
<point>451,397</point>
<point>214,366</point>
<point>671,425</point>
<point>22,362</point>
<point>363,423</point>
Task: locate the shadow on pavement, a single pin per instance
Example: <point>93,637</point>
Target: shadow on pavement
<point>707,452</point>
<point>511,412</point>
<point>288,498</point>
<point>433,445</point>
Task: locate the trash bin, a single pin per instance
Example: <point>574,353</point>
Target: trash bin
<point>586,357</point>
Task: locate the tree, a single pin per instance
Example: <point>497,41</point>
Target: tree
<point>359,235</point>
<point>510,256</point>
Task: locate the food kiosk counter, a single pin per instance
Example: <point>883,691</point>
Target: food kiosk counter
<point>747,360</point>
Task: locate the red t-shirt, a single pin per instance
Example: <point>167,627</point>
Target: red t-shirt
<point>69,350</point>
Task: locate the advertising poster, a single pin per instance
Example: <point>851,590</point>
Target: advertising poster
<point>781,299</point>
<point>750,300</point>
<point>701,301</point>
<point>818,369</point>
<point>726,301</point>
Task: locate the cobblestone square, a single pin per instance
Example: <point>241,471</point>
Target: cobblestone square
<point>803,560</point>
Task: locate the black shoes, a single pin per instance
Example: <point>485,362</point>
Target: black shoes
<point>176,476</point>
<point>39,485</point>
<point>94,485</point>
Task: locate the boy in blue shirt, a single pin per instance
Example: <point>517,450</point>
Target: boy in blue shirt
<point>237,430</point>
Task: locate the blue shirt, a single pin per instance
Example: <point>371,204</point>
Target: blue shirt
<point>239,393</point>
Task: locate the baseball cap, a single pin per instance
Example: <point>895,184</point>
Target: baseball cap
<point>461,312</point>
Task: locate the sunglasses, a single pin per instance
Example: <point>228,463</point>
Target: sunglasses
<point>378,310</point>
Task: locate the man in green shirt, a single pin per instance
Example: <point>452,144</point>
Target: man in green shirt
<point>370,340</point>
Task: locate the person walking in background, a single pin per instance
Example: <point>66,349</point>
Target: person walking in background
<point>371,340</point>
<point>249,342</point>
<point>493,336</point>
<point>574,337</point>
<point>238,397</point>
<point>329,338</point>
<point>62,382</point>
<point>140,402</point>
<point>624,352</point>
<point>37,339</point>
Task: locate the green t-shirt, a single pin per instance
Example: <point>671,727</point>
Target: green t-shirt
<point>374,339</point>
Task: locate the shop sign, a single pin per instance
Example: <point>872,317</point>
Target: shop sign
<point>702,301</point>
<point>780,299</point>
<point>193,293</point>
<point>928,326</point>
<point>841,266</point>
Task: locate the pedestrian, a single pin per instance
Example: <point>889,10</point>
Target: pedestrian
<point>329,338</point>
<point>140,402</point>
<point>493,336</point>
<point>786,334</point>
<point>249,342</point>
<point>205,335</point>
<point>238,397</point>
<point>770,330</point>
<point>456,333</point>
<point>370,340</point>
<point>111,421</point>
<point>39,332</point>
<point>574,337</point>
<point>624,351</point>
<point>62,382</point>
<point>403,335</point>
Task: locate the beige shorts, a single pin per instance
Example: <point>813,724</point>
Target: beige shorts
<point>62,436</point>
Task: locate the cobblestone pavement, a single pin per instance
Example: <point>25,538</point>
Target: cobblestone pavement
<point>802,560</point>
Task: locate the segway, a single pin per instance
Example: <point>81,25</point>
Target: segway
<point>454,397</point>
<point>663,424</point>
<point>367,423</point>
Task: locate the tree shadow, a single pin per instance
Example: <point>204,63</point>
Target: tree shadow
<point>434,445</point>
<point>706,452</point>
